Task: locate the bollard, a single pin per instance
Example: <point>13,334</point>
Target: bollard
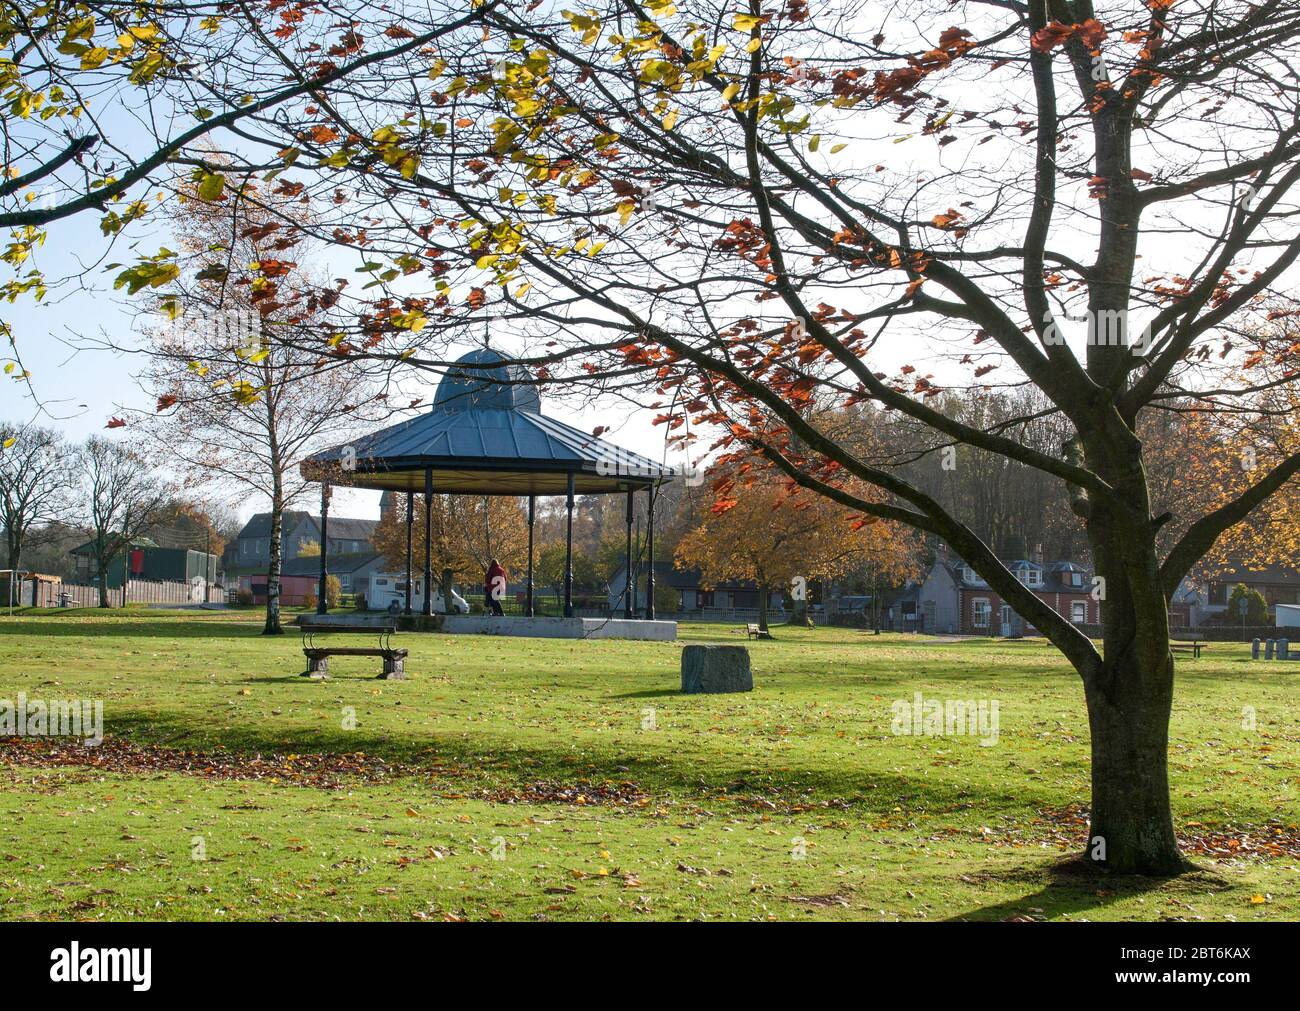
<point>1254,649</point>
<point>1268,650</point>
<point>1283,645</point>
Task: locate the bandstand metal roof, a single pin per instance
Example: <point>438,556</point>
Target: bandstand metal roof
<point>485,435</point>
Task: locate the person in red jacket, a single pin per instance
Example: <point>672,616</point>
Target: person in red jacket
<point>494,587</point>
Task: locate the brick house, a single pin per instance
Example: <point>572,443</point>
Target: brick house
<point>954,599</point>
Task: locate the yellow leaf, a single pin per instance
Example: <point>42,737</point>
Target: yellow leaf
<point>745,22</point>
<point>753,45</point>
<point>670,120</point>
<point>731,91</point>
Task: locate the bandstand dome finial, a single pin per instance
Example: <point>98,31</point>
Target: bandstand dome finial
<point>494,383</point>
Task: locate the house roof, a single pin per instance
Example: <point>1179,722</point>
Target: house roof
<point>910,592</point>
<point>667,572</point>
<point>689,579</point>
<point>309,565</point>
<point>485,435</point>
<point>340,527</point>
<point>1056,575</point>
<point>259,524</point>
<point>345,528</point>
<point>1274,575</point>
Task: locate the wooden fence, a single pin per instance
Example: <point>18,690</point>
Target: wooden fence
<point>138,591</point>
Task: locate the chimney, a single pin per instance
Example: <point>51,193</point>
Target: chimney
<point>942,553</point>
<point>1037,556</point>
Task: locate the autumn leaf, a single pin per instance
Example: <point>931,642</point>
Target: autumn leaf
<point>116,423</point>
<point>1090,32</point>
<point>211,186</point>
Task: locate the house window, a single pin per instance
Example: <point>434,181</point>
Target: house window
<point>1033,577</point>
<point>1079,612</point>
<point>980,611</point>
<point>1076,578</point>
<point>968,575</point>
<point>345,581</point>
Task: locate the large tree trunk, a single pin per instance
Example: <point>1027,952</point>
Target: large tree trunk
<point>1132,829</point>
<point>273,626</point>
<point>762,606</point>
<point>1130,694</point>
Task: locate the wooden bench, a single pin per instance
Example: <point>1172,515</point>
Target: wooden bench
<point>1193,646</point>
<point>752,631</point>
<point>318,656</point>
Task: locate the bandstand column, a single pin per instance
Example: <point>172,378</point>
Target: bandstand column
<point>568,550</point>
<point>427,609</point>
<point>532,511</point>
<point>650,554</point>
<point>628,580</point>
<point>322,604</point>
<point>410,522</point>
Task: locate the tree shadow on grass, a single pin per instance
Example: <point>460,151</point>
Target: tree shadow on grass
<point>502,758</point>
<point>1071,886</point>
<point>649,693</point>
<point>147,626</point>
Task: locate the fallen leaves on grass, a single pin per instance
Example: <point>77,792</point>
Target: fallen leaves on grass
<point>324,771</point>
<point>1067,828</point>
<point>820,901</point>
<point>581,793</point>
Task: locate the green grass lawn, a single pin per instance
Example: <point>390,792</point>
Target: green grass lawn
<point>552,779</point>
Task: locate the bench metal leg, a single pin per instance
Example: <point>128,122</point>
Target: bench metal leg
<point>317,667</point>
<point>394,668</point>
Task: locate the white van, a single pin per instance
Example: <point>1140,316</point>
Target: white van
<point>388,593</point>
